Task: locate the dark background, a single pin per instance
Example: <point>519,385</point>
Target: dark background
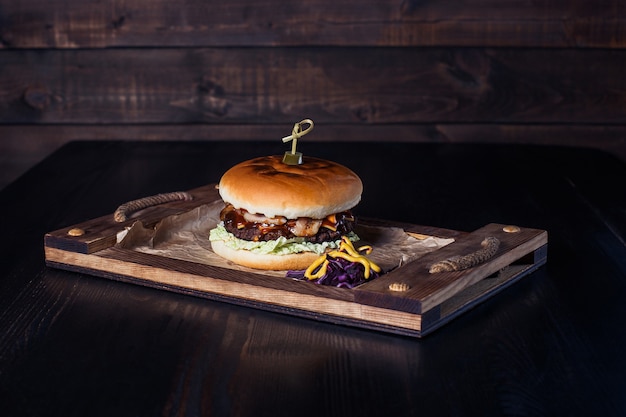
<point>551,344</point>
<point>532,72</point>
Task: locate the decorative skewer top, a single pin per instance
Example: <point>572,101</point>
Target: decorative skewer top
<point>293,157</point>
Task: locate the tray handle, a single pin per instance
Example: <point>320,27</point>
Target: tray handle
<point>489,247</point>
<point>125,210</point>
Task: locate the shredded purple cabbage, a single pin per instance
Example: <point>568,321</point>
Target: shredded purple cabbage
<point>340,273</point>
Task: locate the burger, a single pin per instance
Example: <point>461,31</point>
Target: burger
<point>283,217</point>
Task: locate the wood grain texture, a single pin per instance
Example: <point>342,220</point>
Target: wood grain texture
<point>95,24</point>
<point>279,85</point>
<point>552,344</point>
<point>433,289</point>
<point>101,233</point>
<point>511,72</point>
<point>370,305</point>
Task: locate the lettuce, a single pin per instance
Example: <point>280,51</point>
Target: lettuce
<point>280,246</point>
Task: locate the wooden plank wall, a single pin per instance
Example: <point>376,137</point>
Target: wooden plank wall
<point>541,71</point>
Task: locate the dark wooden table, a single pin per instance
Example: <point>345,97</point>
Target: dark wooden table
<point>553,343</point>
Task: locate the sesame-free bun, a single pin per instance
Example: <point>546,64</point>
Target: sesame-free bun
<point>292,261</point>
<point>315,188</point>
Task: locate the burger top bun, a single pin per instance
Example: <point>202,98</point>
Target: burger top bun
<point>315,188</point>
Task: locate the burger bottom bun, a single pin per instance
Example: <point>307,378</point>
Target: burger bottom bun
<point>292,261</point>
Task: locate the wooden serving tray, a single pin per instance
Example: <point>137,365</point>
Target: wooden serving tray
<point>430,300</point>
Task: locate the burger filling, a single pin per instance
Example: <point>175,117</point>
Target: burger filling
<point>258,228</point>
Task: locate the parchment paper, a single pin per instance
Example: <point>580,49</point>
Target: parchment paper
<point>186,237</point>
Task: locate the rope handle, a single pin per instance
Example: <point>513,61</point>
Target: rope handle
<point>125,210</point>
<point>489,247</point>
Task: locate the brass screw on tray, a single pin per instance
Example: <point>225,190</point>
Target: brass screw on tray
<point>76,232</point>
<point>399,286</point>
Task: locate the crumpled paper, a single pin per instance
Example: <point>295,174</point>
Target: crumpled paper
<point>186,237</point>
